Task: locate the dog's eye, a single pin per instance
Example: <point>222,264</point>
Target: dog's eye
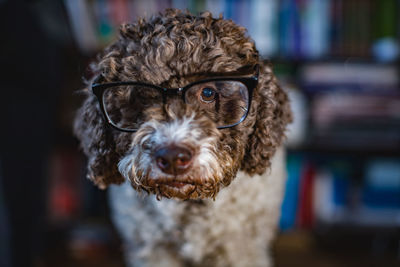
<point>208,95</point>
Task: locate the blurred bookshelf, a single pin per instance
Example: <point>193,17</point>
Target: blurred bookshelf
<point>339,62</point>
<point>292,30</point>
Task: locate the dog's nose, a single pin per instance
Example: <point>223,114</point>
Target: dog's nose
<point>173,159</point>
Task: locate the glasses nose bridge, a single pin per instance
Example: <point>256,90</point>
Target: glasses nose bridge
<point>172,92</point>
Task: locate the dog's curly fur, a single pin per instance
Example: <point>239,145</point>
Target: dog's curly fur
<point>171,50</point>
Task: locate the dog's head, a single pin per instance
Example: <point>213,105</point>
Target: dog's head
<point>178,105</point>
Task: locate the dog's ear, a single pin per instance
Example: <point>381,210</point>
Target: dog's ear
<point>270,107</point>
<point>97,143</point>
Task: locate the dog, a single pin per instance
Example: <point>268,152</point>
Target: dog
<point>184,123</point>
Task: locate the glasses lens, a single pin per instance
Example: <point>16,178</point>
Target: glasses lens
<point>225,102</point>
<point>124,104</point>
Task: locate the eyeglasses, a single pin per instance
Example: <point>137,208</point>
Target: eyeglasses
<point>224,100</point>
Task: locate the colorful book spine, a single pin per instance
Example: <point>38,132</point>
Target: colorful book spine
<point>290,202</point>
<point>264,26</point>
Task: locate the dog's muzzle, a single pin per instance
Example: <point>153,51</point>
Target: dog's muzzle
<point>180,158</point>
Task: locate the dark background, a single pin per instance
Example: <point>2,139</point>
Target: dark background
<point>342,204</point>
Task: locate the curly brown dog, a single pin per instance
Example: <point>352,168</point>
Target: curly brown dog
<point>182,107</point>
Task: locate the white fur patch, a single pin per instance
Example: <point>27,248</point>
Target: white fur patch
<point>176,132</point>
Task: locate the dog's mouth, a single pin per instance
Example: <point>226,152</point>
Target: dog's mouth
<point>176,189</point>
<point>176,184</point>
<point>179,188</point>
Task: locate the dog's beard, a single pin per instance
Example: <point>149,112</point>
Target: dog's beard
<point>211,169</point>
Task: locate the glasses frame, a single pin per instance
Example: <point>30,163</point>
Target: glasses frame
<point>250,82</point>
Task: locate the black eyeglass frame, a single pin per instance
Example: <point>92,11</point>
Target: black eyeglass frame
<point>250,82</point>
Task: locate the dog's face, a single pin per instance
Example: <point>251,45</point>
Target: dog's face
<point>222,115</point>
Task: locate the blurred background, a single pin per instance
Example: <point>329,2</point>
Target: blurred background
<point>337,59</point>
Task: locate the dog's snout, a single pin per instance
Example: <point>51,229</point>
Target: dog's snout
<point>173,159</point>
